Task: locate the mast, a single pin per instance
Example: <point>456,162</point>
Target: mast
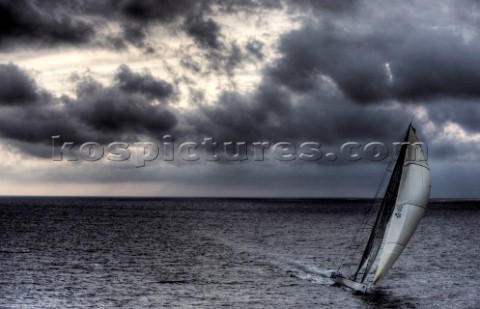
<point>386,209</point>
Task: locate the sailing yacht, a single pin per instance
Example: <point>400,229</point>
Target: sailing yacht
<point>401,209</point>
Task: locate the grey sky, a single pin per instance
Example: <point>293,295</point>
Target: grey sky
<point>297,71</point>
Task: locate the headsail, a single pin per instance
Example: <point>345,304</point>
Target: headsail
<point>412,200</point>
<point>383,216</point>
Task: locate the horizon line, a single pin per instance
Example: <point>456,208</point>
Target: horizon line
<point>226,197</point>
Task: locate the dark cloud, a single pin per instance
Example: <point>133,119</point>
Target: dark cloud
<point>333,6</point>
<point>144,84</point>
<point>27,22</point>
<point>149,51</point>
<point>223,61</point>
<point>116,43</point>
<point>137,16</point>
<point>246,117</point>
<point>350,71</point>
<point>135,34</point>
<point>132,33</point>
<point>16,86</point>
<point>431,64</point>
<point>124,109</point>
<point>274,113</point>
<point>408,62</point>
<point>36,124</point>
<point>249,6</point>
<point>81,22</point>
<point>356,65</point>
<point>118,25</point>
<point>205,32</point>
<point>158,10</point>
<point>461,112</point>
<point>234,58</point>
<point>166,11</point>
<point>307,92</point>
<point>107,110</point>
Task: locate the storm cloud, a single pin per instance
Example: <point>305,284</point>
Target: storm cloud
<point>17,87</point>
<point>124,109</point>
<point>144,83</point>
<point>422,64</point>
<point>323,71</point>
<point>25,22</point>
<point>204,31</point>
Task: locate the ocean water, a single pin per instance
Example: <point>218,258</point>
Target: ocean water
<point>223,253</point>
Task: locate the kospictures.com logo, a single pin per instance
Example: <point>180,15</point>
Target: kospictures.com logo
<point>210,150</point>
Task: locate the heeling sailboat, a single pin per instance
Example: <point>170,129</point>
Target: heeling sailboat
<point>403,206</point>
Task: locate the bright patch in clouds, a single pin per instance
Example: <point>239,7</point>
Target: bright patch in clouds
<point>454,132</point>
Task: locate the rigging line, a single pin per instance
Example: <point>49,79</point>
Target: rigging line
<point>360,237</point>
<point>357,238</point>
<point>362,232</point>
<point>387,207</point>
<point>342,259</point>
<point>376,198</point>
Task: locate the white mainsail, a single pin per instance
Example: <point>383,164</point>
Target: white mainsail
<point>412,200</point>
<point>402,207</point>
